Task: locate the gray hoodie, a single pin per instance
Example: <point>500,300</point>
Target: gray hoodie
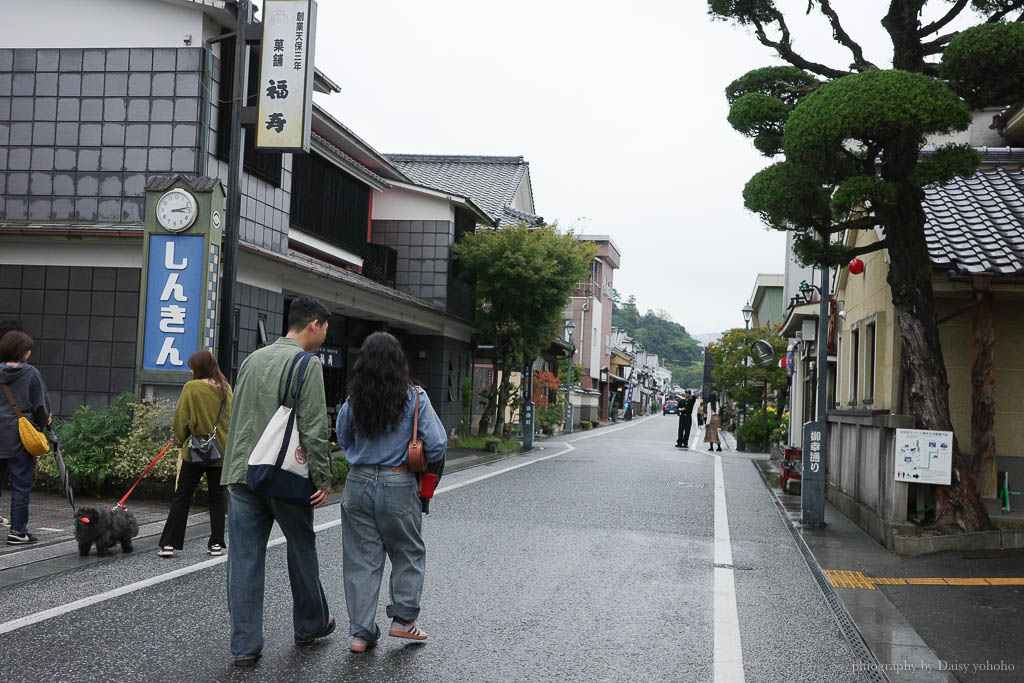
<point>30,394</point>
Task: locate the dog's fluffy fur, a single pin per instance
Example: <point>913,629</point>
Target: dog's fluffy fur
<point>105,528</point>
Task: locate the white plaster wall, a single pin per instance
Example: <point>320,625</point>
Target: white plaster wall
<point>594,333</point>
<point>523,200</point>
<point>58,251</point>
<point>398,204</point>
<point>98,23</point>
<point>977,135</point>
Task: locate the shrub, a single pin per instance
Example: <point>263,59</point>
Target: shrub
<point>88,441</point>
<point>595,423</point>
<point>753,430</point>
<point>492,444</point>
<point>583,426</point>
<point>341,468</point>
<point>150,430</point>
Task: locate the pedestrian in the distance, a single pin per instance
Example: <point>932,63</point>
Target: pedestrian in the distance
<point>380,508</point>
<point>685,420</point>
<point>23,387</point>
<point>203,411</point>
<point>259,392</point>
<point>5,327</point>
<point>714,422</point>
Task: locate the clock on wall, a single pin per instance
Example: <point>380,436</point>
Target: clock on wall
<point>176,210</point>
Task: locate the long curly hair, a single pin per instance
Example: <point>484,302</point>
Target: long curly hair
<point>380,385</point>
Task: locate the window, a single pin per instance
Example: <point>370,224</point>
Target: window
<point>854,365</point>
<point>265,165</point>
<point>869,361</point>
<point>329,203</point>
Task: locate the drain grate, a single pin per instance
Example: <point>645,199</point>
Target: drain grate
<point>867,663</point>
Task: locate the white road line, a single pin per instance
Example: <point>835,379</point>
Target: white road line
<point>728,651</point>
<point>37,617</point>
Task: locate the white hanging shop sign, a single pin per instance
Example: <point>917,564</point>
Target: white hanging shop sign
<point>285,109</point>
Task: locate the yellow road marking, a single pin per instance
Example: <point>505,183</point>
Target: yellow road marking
<point>851,579</point>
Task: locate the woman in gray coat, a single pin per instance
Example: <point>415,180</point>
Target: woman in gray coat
<point>29,393</point>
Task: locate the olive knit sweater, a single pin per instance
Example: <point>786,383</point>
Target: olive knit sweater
<point>197,409</point>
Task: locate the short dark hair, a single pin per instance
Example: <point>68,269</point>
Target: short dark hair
<point>14,345</point>
<point>305,310</point>
<point>8,325</point>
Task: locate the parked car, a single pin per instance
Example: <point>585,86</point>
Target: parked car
<point>670,407</point>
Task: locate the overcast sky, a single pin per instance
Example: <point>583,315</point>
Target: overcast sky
<point>617,106</point>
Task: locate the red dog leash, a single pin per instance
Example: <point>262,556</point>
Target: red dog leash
<point>120,503</point>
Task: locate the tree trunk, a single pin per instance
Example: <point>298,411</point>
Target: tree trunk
<point>492,395</point>
<point>503,392</point>
<point>958,506</point>
<point>983,400</point>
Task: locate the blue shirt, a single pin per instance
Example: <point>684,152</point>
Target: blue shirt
<point>392,447</point>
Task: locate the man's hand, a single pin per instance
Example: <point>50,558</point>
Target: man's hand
<point>318,498</point>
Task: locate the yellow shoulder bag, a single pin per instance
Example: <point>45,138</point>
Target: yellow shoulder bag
<point>34,441</point>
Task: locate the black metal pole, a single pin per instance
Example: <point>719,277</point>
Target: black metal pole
<point>233,207</point>
<point>743,408</point>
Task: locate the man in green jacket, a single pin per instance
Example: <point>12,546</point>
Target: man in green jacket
<point>258,393</point>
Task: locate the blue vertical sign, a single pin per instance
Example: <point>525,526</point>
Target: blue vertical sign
<point>173,301</point>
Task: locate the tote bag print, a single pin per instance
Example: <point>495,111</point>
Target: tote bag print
<point>277,464</point>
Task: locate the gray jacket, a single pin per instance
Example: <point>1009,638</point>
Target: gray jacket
<point>30,394</point>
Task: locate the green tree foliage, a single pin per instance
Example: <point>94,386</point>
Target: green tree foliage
<point>853,160</point>
<point>688,376</point>
<point>524,277</point>
<point>657,333</point>
<point>729,354</point>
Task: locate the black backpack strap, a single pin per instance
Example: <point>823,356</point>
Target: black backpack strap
<point>305,357</point>
<point>291,369</point>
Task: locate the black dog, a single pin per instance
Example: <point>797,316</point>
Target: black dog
<point>105,528</point>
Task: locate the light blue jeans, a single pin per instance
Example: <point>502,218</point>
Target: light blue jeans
<point>250,519</point>
<point>381,514</point>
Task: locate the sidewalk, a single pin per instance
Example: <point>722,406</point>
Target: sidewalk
<point>52,521</point>
<point>951,616</point>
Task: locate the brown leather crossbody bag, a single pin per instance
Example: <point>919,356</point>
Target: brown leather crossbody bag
<point>417,458</point>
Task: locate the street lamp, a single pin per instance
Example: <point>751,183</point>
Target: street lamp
<point>748,313</point>
<point>570,327</point>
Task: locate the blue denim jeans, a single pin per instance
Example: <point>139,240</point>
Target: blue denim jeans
<point>250,519</point>
<point>381,514</point>
<point>22,470</point>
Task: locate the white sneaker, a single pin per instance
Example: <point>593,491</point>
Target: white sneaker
<point>215,550</point>
<point>4,521</point>
<point>166,551</point>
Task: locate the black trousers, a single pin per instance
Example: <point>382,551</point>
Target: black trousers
<point>685,423</point>
<point>188,478</point>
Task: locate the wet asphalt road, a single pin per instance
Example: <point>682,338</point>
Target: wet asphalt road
<point>595,564</point>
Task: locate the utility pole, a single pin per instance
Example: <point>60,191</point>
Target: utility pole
<point>232,218</point>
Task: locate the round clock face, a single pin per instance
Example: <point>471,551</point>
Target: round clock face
<point>176,210</point>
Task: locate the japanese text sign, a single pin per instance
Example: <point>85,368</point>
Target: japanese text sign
<point>286,75</point>
<point>173,301</point>
<point>923,456</point>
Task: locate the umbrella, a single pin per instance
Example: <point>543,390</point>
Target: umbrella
<point>62,474</point>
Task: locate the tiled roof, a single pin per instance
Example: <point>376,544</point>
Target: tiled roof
<point>491,182</point>
<point>976,225</point>
<point>347,160</point>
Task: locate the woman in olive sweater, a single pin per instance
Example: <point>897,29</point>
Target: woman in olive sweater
<point>202,401</point>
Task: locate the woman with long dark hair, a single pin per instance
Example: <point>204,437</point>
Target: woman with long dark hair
<point>203,411</point>
<point>380,508</point>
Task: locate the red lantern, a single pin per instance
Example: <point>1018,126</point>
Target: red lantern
<point>856,266</point>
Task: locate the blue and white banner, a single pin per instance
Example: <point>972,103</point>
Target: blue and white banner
<point>173,301</point>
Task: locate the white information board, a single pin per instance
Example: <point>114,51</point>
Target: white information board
<point>924,456</point>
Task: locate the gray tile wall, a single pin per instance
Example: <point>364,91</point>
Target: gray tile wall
<point>265,207</point>
<point>424,251</point>
<point>251,302</point>
<point>441,371</point>
<point>84,323</point>
<point>80,129</point>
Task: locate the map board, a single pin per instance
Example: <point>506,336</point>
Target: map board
<point>923,456</point>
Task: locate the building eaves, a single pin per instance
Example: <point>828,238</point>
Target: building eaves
<point>351,164</point>
<point>342,137</point>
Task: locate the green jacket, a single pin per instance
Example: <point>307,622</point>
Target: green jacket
<point>197,409</point>
<point>258,392</point>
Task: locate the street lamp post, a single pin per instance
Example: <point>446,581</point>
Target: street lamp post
<point>748,313</point>
<point>570,327</point>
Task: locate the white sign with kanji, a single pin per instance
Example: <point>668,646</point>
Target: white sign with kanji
<point>923,456</point>
<point>286,75</point>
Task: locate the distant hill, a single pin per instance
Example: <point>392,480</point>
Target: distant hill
<point>707,338</point>
<point>658,333</point>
